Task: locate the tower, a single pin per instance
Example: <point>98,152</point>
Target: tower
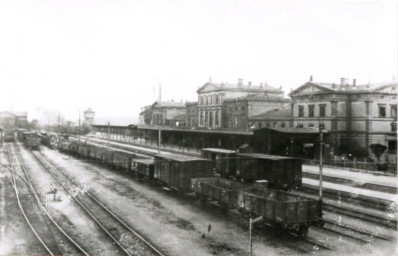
<point>89,115</point>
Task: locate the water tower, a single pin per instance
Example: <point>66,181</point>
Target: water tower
<point>89,115</point>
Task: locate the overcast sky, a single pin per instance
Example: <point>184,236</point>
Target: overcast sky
<point>112,55</point>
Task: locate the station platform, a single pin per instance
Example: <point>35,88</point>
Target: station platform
<point>358,177</point>
<point>352,190</point>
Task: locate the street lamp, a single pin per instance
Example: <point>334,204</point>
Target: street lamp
<point>252,221</point>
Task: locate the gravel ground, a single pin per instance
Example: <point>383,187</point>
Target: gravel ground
<point>67,213</point>
<point>174,224</point>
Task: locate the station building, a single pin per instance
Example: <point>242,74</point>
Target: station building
<point>238,113</point>
<point>167,113</point>
<point>14,119</point>
<point>356,116</point>
<point>211,97</point>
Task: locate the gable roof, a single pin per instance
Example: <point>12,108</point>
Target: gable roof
<point>278,113</point>
<point>234,87</point>
<point>337,88</point>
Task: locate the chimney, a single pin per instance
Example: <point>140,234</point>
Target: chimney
<point>354,82</point>
<point>311,78</point>
<point>240,81</point>
<point>250,83</point>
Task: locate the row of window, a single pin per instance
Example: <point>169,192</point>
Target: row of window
<point>206,119</point>
<point>209,100</point>
<point>383,110</point>
<point>311,110</point>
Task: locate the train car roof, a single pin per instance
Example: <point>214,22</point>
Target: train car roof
<point>179,157</point>
<point>144,161</point>
<point>264,156</point>
<point>219,150</point>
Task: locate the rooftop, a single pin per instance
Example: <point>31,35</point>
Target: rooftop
<point>277,113</point>
<point>179,157</point>
<point>239,86</point>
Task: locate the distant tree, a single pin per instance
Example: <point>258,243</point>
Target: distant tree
<point>378,150</point>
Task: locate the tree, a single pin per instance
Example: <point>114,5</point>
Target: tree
<point>378,150</point>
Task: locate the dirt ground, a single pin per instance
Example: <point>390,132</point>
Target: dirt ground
<point>174,223</point>
<point>177,225</point>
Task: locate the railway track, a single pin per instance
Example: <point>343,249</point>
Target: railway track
<point>343,208</point>
<point>54,240</point>
<point>352,183</point>
<point>126,238</point>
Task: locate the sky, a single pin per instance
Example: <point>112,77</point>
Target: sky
<point>65,56</point>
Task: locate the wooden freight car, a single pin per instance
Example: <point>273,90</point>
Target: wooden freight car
<point>224,160</point>
<point>32,140</point>
<point>281,172</point>
<point>282,210</point>
<point>223,191</point>
<point>176,170</point>
<point>144,168</point>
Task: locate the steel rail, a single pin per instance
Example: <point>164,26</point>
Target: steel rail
<point>23,212</point>
<point>95,199</point>
<point>44,209</point>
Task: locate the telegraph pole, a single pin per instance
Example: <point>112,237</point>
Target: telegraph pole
<point>320,163</point>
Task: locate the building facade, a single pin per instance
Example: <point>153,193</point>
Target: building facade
<point>211,97</point>
<point>164,113</point>
<point>355,115</point>
<point>192,114</point>
<point>14,119</point>
<point>238,112</point>
<point>274,118</point>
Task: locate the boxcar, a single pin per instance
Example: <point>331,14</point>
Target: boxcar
<point>224,191</point>
<point>177,170</point>
<point>84,150</point>
<point>32,140</point>
<point>122,160</point>
<point>224,160</point>
<point>144,168</point>
<point>9,135</point>
<point>281,172</point>
<point>282,210</point>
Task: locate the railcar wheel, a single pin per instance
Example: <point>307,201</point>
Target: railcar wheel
<point>277,230</point>
<point>303,232</point>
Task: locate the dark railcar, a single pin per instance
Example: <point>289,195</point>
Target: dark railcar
<point>144,168</point>
<point>224,191</point>
<point>280,172</point>
<point>177,170</point>
<point>9,136</point>
<point>224,160</point>
<point>32,140</point>
<point>282,210</point>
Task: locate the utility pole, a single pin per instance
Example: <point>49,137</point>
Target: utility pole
<point>251,222</point>
<point>79,123</point>
<point>109,134</point>
<point>159,139</point>
<point>320,162</point>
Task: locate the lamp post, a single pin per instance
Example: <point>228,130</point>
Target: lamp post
<point>252,221</point>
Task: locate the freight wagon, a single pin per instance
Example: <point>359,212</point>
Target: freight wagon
<point>176,171</point>
<point>282,210</point>
<point>31,140</point>
<point>281,172</point>
<point>223,191</point>
<point>224,160</point>
<point>144,168</point>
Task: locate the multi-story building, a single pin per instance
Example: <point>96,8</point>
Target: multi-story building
<point>164,113</point>
<point>89,116</point>
<point>13,119</point>
<point>353,114</point>
<point>192,114</point>
<point>274,118</point>
<point>237,113</point>
<point>212,95</point>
